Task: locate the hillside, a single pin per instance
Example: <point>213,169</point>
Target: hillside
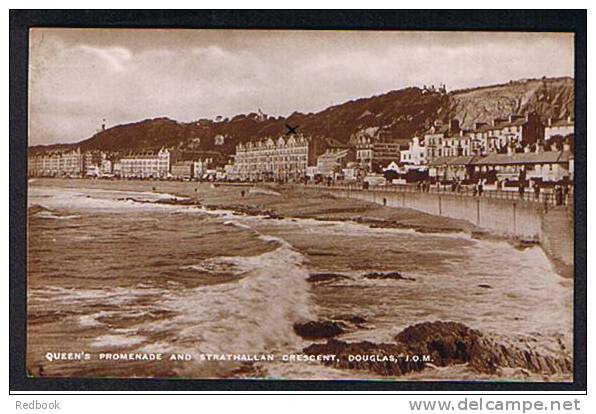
<point>402,113</point>
<point>549,98</point>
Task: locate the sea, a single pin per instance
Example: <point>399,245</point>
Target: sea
<point>121,272</point>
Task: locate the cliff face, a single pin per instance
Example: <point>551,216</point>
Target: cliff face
<point>549,98</point>
<point>401,113</point>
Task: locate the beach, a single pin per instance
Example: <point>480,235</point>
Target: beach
<point>202,269</point>
<point>284,201</point>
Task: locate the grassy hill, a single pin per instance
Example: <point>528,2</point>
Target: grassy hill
<point>402,113</point>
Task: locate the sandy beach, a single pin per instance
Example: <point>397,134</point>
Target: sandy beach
<point>280,201</point>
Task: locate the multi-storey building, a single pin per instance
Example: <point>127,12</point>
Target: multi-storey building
<point>450,168</point>
<point>92,162</point>
<point>517,130</point>
<point>200,167</point>
<point>334,160</point>
<point>106,166</point>
<point>450,140</point>
<point>434,138</point>
<point>231,172</point>
<point>373,153</point>
<point>559,128</point>
<point>415,155</point>
<point>286,158</point>
<point>183,170</point>
<point>147,164</point>
<point>538,166</point>
<point>67,163</point>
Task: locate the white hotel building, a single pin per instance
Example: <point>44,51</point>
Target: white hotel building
<point>282,159</point>
<point>67,163</point>
<point>147,164</point>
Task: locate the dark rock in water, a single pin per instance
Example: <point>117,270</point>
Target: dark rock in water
<point>36,208</point>
<point>177,201</point>
<point>319,329</point>
<point>453,343</point>
<point>485,286</point>
<point>169,201</point>
<point>249,210</point>
<point>325,277</point>
<point>388,275</point>
<point>444,343</point>
<point>355,319</point>
<point>526,244</point>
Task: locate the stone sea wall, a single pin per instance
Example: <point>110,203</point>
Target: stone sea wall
<point>550,226</point>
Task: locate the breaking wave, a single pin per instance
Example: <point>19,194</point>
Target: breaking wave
<point>254,314</point>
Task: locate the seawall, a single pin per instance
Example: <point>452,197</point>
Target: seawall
<point>523,220</point>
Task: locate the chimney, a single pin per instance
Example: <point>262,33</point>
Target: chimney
<point>509,150</point>
<point>510,118</point>
<point>539,148</point>
<point>569,119</point>
<point>549,122</point>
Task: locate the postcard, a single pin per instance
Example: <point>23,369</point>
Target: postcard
<point>238,204</point>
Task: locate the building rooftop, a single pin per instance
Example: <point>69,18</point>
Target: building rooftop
<point>182,164</point>
<point>562,122</point>
<point>459,160</point>
<point>333,154</point>
<point>524,158</point>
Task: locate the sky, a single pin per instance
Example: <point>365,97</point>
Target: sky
<point>77,77</point>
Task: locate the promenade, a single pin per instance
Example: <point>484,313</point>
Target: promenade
<point>546,196</point>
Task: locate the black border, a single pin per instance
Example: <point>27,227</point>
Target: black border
<point>463,20</point>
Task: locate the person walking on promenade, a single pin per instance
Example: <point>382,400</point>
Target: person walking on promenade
<point>480,188</point>
<point>558,195</point>
<point>536,191</point>
<point>521,190</point>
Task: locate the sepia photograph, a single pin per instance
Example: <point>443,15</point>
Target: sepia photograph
<point>235,204</point>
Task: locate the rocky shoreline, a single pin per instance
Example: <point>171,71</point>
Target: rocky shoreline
<point>254,210</point>
<point>432,344</point>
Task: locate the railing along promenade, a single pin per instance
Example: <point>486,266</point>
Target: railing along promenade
<point>546,197</point>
